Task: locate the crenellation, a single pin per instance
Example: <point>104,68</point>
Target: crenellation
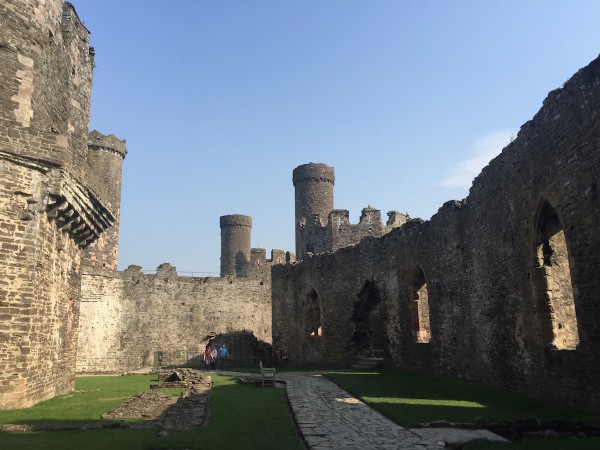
<point>395,220</point>
<point>313,185</point>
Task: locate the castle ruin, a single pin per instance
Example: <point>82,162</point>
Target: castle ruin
<point>500,288</point>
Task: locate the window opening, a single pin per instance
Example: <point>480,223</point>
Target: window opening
<point>420,307</point>
<point>553,283</point>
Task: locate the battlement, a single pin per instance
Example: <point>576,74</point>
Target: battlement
<point>313,172</point>
<point>236,220</point>
<point>370,215</point>
<point>108,143</point>
<point>396,219</point>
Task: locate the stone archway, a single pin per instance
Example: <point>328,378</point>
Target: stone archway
<point>419,307</point>
<point>553,289</point>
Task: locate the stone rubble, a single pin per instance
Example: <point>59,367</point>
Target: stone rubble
<point>171,414</point>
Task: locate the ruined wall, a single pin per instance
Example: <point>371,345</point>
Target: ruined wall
<point>52,204</point>
<point>480,291</point>
<point>339,232</point>
<point>126,316</point>
<point>319,227</point>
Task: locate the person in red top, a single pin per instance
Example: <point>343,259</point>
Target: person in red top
<point>207,357</point>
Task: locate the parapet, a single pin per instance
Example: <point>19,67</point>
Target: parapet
<point>370,215</point>
<point>277,256</point>
<point>290,258</point>
<point>99,141</point>
<point>236,220</point>
<point>313,172</point>
<point>396,219</point>
<point>258,254</point>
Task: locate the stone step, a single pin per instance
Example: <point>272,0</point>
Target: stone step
<point>361,367</point>
<point>364,366</point>
<point>370,360</point>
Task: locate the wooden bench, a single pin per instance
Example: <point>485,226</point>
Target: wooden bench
<point>267,374</point>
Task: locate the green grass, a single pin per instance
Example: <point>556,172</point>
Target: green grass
<point>411,399</point>
<point>243,416</point>
<point>92,397</point>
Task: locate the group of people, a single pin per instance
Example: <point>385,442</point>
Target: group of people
<point>211,356</point>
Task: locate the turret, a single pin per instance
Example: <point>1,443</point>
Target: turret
<point>236,230</point>
<point>105,158</point>
<point>313,185</point>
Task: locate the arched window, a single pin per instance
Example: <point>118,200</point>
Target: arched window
<point>313,313</point>
<point>552,282</point>
<point>420,307</point>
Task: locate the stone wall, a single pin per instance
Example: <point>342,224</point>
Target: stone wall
<point>51,197</point>
<point>127,316</point>
<point>500,288</point>
<point>39,292</point>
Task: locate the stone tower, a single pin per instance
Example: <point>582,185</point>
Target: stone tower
<point>236,230</point>
<point>106,155</point>
<point>313,183</point>
<point>54,201</point>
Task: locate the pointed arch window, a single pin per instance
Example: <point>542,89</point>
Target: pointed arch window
<point>553,287</point>
<point>420,307</point>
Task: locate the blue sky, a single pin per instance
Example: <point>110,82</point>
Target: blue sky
<point>220,100</point>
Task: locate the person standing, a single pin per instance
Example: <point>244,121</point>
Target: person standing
<point>207,357</point>
<point>213,361</point>
<point>223,355</point>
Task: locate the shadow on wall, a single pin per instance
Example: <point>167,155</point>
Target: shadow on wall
<point>244,348</point>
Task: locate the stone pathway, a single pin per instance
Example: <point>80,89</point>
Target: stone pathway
<point>330,418</point>
<point>327,416</point>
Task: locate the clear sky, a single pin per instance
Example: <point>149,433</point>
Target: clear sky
<point>220,100</point>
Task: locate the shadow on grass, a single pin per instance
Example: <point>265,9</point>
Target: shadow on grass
<point>411,399</point>
<point>243,416</point>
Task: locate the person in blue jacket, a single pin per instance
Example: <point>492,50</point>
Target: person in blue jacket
<point>223,355</point>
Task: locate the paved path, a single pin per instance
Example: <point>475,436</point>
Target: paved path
<point>329,418</point>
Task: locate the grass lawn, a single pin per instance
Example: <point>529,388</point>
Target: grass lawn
<point>243,416</point>
<point>410,399</point>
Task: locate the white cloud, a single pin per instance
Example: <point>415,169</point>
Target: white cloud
<point>486,148</point>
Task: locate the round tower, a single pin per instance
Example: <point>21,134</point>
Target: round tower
<point>313,183</point>
<point>235,243</point>
<point>105,158</point>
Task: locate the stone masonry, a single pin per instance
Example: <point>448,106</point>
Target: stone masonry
<point>134,315</point>
<point>53,203</point>
<point>500,288</point>
<point>322,229</point>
